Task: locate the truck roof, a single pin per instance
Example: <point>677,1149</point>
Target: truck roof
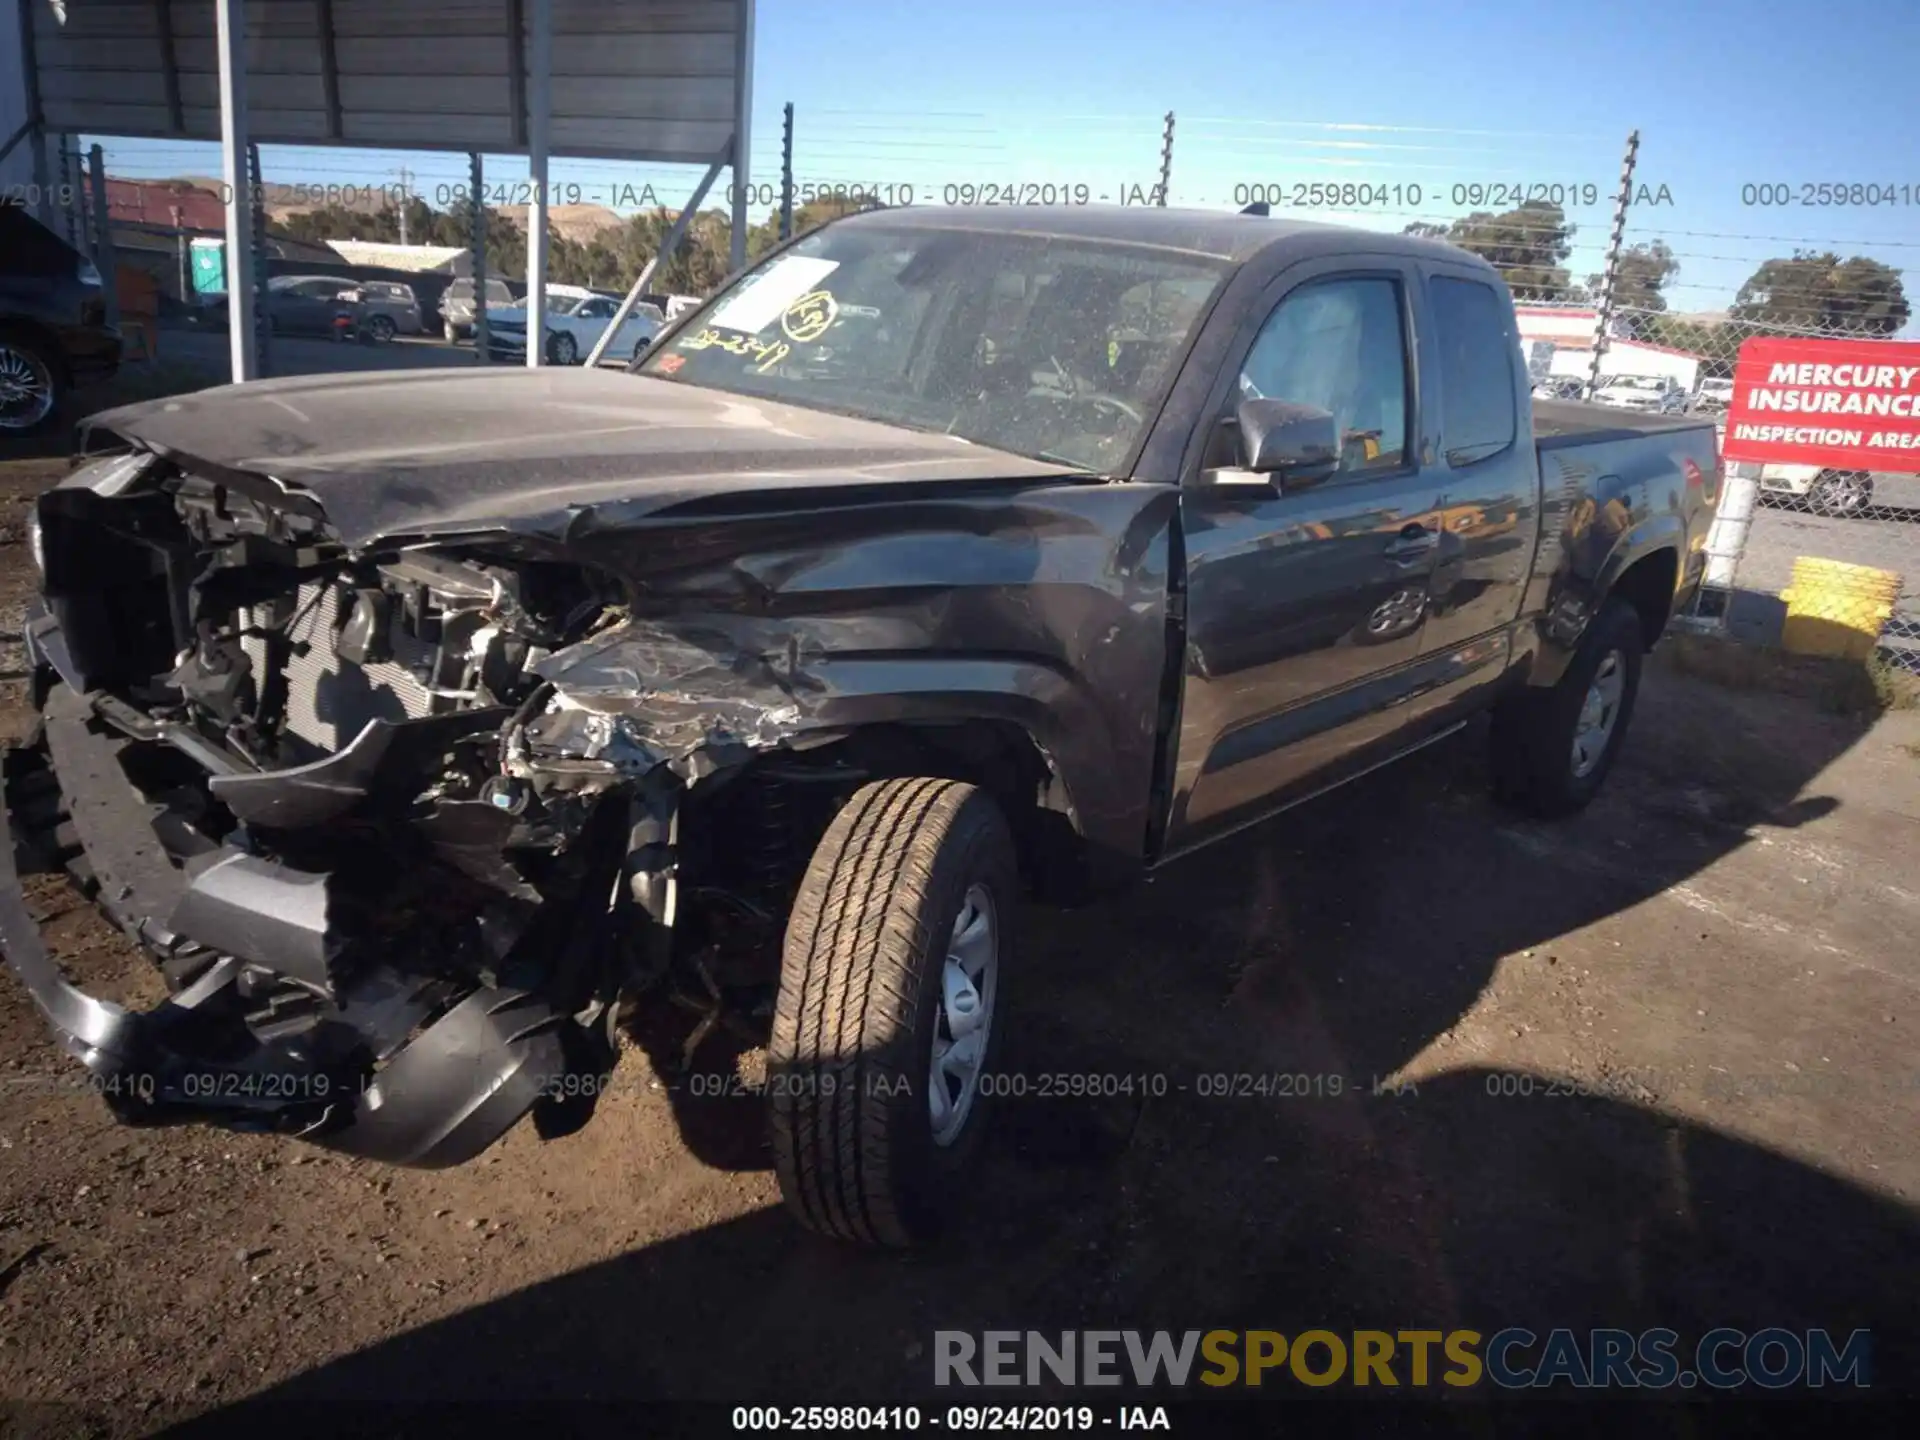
<point>1222,234</point>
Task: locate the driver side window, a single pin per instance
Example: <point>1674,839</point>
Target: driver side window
<point>1339,345</point>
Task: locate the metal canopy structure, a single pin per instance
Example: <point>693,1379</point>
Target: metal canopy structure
<point>653,81</point>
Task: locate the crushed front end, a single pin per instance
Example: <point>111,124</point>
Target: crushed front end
<point>396,884</point>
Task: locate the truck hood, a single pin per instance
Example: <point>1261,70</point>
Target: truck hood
<point>441,452</point>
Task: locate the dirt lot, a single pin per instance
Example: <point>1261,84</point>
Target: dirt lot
<point>1720,952</point>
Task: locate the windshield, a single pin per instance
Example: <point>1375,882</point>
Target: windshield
<point>1044,346</point>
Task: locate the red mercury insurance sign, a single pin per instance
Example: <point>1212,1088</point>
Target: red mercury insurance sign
<point>1842,404</point>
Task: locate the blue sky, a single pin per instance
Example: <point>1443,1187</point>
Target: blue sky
<point>1387,93</point>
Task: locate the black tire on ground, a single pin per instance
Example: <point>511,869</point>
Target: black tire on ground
<point>381,328</point>
<point>849,1065</point>
<point>1533,730</point>
<point>561,349</point>
<point>27,355</point>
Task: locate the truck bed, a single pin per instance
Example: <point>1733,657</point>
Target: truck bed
<point>1559,423</point>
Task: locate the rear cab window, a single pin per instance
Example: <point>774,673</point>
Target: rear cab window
<point>1478,346</point>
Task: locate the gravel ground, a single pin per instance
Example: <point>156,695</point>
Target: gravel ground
<point>1717,960</point>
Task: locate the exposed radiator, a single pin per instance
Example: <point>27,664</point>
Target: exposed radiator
<point>329,700</point>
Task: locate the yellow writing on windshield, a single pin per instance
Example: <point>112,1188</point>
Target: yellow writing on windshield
<point>766,353</point>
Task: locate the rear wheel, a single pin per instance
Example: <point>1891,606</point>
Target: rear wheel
<point>1842,492</point>
<point>886,1024</point>
<point>1552,748</point>
<point>381,328</point>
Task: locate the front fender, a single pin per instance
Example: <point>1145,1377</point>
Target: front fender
<point>1044,609</point>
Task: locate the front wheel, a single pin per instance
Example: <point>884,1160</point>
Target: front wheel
<point>887,1022</point>
<point>1552,748</point>
<point>561,350</point>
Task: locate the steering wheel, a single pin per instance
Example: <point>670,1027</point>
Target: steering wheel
<point>1109,402</point>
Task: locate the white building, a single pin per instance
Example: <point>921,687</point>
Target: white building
<point>422,259</point>
<point>1558,340</point>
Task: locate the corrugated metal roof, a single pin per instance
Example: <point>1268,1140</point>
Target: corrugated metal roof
<point>396,257</point>
<point>650,80</point>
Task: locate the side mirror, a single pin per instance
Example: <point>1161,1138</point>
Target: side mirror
<point>1288,441</point>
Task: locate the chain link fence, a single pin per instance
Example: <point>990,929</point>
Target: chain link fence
<point>1809,556</point>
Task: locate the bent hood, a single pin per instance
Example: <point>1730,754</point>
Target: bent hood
<point>438,452</point>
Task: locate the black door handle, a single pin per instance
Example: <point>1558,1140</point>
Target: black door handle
<point>1413,542</point>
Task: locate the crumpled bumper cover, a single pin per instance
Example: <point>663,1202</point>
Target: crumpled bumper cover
<point>445,1096</point>
<point>415,1073</point>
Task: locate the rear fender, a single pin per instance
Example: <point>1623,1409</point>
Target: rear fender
<point>1597,552</point>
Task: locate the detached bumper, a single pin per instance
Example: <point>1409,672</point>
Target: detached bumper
<point>261,1034</point>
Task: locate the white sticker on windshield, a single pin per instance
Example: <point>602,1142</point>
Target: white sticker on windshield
<point>758,304</point>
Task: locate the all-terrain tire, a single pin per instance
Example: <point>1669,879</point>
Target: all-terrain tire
<point>849,1064</point>
<point>1533,730</point>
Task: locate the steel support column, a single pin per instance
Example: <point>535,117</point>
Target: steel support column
<point>742,132</point>
<point>230,18</point>
<point>539,114</point>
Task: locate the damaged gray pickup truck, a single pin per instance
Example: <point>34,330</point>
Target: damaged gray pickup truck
<point>427,727</point>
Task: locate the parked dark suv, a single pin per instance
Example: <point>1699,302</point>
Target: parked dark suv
<point>53,323</point>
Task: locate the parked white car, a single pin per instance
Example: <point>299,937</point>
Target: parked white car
<point>1811,488</point>
<point>575,320</point>
<point>1660,394</point>
<point>1713,396</point>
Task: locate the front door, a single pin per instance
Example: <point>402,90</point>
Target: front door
<point>1304,606</point>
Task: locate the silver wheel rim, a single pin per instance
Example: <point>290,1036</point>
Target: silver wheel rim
<point>382,327</point>
<point>968,979</point>
<point>563,350</point>
<point>1599,713</point>
<point>1843,493</point>
<point>26,389</point>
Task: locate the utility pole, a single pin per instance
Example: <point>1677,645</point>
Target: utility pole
<point>406,193</point>
<point>786,174</point>
<point>103,256</point>
<point>1166,162</point>
<point>1603,310</point>
<point>477,218</point>
<point>262,316</point>
<point>180,253</point>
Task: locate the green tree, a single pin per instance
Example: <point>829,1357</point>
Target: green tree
<point>1528,245</point>
<point>1638,285</point>
<point>1820,291</point>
